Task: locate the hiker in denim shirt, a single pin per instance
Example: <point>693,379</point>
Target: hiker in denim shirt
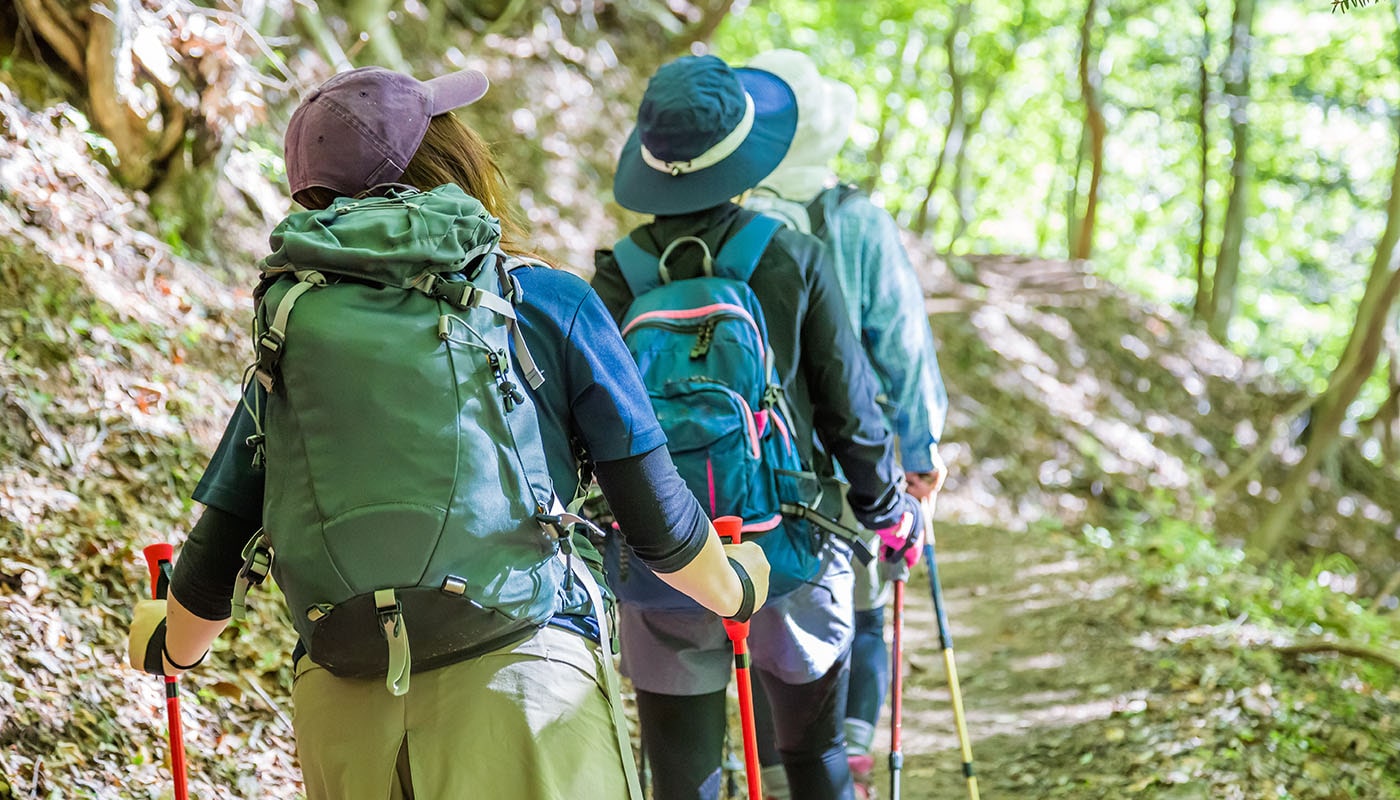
<point>885,304</point>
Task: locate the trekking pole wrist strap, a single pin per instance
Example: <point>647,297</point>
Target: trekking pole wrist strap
<point>165,651</point>
<point>746,605</point>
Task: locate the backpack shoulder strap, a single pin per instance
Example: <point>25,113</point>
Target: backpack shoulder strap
<point>639,268</point>
<point>739,256</point>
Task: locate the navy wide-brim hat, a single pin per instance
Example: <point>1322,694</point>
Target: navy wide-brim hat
<point>705,133</point>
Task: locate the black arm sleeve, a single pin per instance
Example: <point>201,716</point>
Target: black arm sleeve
<point>209,563</point>
<point>654,509</point>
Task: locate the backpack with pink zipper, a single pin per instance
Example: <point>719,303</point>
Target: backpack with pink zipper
<point>702,348</point>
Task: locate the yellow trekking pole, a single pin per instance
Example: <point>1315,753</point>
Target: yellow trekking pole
<point>945,639</point>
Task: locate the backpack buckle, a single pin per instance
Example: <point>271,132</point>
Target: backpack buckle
<point>269,353</point>
<point>257,563</point>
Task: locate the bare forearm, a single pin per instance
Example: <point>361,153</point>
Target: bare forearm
<point>708,579</point>
<point>188,636</point>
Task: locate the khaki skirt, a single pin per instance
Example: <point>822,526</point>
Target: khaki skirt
<point>529,722</point>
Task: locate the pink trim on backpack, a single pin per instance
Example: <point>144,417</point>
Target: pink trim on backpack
<point>782,428</point>
<point>763,525</point>
<point>760,419</point>
<point>701,311</point>
<point>748,421</point>
<point>710,476</point>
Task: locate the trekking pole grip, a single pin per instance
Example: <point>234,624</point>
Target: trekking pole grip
<point>731,528</point>
<point>158,558</point>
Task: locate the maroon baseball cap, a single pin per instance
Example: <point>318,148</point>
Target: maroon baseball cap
<point>360,128</point>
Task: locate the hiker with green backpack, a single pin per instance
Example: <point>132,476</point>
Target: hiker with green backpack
<point>423,394</point>
<point>886,307</point>
<point>740,331</point>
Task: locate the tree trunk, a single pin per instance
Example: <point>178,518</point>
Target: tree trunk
<point>1097,128</point>
<point>1385,423</point>
<point>1356,366</point>
<point>962,189</point>
<point>59,29</point>
<point>1227,261</point>
<point>1072,197</point>
<point>701,31</point>
<point>1203,122</point>
<point>371,19</point>
<point>111,74</point>
<point>313,26</point>
<point>957,117</point>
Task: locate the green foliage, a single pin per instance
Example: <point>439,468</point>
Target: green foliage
<point>1346,5</point>
<point>1180,558</point>
<point>1322,143</point>
<point>1323,725</point>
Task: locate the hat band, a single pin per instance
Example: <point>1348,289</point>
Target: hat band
<point>723,149</point>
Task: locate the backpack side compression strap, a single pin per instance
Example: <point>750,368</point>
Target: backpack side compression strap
<point>739,255</point>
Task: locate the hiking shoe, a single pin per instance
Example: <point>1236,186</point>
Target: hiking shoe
<point>863,775</point>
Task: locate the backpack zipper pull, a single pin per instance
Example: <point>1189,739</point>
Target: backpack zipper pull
<point>703,340</point>
<point>511,396</point>
<point>258,442</point>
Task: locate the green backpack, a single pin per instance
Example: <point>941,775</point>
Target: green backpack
<point>407,495</point>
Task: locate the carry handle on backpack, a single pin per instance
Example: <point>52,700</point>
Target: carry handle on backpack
<point>158,559</point>
<point>738,633</point>
<point>737,258</point>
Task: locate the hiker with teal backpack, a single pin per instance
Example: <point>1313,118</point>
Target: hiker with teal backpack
<point>885,304</point>
<point>741,335</point>
<point>420,393</point>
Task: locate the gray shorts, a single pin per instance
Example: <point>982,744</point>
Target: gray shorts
<point>796,638</point>
<point>871,590</point>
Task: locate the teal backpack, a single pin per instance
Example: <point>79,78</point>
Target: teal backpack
<point>407,496</point>
<point>702,348</point>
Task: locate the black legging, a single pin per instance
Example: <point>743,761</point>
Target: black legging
<point>683,737</point>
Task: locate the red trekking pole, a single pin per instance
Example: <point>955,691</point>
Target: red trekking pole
<point>158,559</point>
<point>898,573</point>
<point>738,632</point>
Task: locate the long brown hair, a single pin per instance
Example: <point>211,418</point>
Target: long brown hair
<point>451,152</point>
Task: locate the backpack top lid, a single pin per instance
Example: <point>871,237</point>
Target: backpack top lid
<point>394,239</point>
<point>737,258</point>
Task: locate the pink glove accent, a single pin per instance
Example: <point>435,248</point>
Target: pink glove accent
<point>893,538</point>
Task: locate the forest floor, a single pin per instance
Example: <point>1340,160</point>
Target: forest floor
<point>1075,687</point>
<point>1108,645</point>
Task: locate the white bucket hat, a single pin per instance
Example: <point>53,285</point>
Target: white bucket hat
<point>825,112</point>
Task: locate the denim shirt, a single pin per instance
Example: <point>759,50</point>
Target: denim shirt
<point>886,306</point>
